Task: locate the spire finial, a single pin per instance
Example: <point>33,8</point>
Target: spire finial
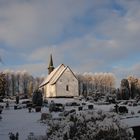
<point>50,67</point>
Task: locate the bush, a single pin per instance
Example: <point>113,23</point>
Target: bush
<point>123,109</point>
<point>56,107</point>
<point>72,104</point>
<point>0,111</point>
<point>15,107</point>
<point>138,111</point>
<point>29,105</point>
<point>89,125</point>
<point>38,109</point>
<point>90,106</point>
<point>80,108</point>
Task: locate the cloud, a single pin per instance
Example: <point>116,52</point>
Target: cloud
<point>37,23</point>
<point>95,36</point>
<point>39,69</point>
<point>124,72</point>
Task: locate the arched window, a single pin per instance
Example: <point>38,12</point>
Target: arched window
<point>67,87</point>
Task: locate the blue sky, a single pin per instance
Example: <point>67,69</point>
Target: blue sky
<point>88,35</point>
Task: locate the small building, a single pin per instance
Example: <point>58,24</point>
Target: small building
<point>60,82</point>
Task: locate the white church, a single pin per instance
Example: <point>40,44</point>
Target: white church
<point>60,82</point>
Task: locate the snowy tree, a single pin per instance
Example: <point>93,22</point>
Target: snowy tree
<point>24,78</point>
<point>81,80</point>
<point>101,82</point>
<point>38,81</point>
<point>134,86</point>
<point>7,76</point>
<point>3,83</point>
<point>20,82</point>
<point>30,88</point>
<point>124,89</point>
<point>13,83</point>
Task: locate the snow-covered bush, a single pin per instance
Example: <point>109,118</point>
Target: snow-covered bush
<point>32,136</point>
<point>89,125</point>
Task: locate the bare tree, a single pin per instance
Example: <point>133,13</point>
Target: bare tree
<point>7,76</point>
<point>13,83</point>
<point>134,86</point>
<point>2,84</point>
<point>98,82</point>
<point>25,80</point>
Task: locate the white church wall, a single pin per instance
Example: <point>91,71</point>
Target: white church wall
<point>67,84</point>
<point>50,90</point>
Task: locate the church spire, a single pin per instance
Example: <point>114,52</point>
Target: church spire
<point>50,67</point>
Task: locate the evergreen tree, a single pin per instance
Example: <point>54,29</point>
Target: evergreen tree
<point>37,98</point>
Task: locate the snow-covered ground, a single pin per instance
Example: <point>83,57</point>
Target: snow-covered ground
<point>22,122</point>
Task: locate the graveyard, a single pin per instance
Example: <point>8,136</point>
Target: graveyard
<point>34,124</point>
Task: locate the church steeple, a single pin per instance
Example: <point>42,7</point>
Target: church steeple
<point>50,67</point>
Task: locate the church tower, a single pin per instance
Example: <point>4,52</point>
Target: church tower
<point>50,67</point>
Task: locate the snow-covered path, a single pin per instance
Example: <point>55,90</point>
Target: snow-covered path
<point>22,122</point>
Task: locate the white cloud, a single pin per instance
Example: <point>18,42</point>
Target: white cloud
<point>34,69</point>
<point>39,28</point>
<point>32,23</point>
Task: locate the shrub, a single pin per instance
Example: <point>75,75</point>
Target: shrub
<point>37,98</point>
<point>38,109</point>
<point>138,111</point>
<point>80,108</point>
<point>89,125</point>
<point>90,106</point>
<point>123,109</point>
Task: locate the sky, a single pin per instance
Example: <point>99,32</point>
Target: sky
<point>87,35</point>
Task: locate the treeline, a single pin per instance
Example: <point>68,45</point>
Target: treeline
<point>90,83</point>
<point>19,82</point>
<point>23,83</point>
<point>129,88</point>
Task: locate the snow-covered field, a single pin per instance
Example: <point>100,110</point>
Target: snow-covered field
<point>22,122</point>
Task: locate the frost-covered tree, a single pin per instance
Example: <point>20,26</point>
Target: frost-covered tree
<point>134,86</point>
<point>3,83</point>
<point>98,82</point>
<point>25,81</point>
<point>124,89</point>
<point>30,88</point>
<point>13,83</point>
<point>7,76</point>
<point>89,125</point>
<point>20,82</point>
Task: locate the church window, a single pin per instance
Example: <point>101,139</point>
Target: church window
<point>67,88</point>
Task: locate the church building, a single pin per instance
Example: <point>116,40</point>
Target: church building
<point>60,82</point>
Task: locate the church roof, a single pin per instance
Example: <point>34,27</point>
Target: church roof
<point>55,74</point>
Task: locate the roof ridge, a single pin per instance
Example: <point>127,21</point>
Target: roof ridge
<point>51,75</point>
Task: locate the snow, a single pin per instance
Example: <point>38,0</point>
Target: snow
<point>22,122</point>
<point>131,120</point>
